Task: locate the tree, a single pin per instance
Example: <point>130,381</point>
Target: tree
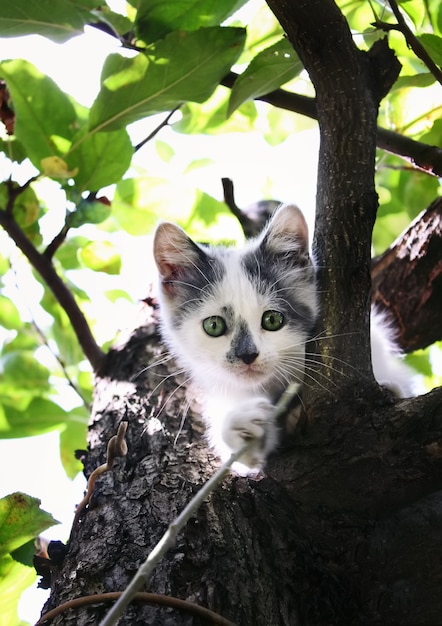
<point>344,526</point>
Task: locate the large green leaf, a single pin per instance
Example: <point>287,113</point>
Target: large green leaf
<point>58,20</point>
<point>184,66</point>
<point>270,69</point>
<point>45,116</point>
<point>156,18</point>
<point>102,159</point>
<point>21,519</point>
<point>38,417</point>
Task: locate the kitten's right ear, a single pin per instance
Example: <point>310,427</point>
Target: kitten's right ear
<point>287,230</point>
<point>174,252</point>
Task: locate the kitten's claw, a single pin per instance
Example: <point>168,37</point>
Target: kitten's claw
<point>251,423</point>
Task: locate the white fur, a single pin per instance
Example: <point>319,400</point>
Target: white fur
<point>388,368</point>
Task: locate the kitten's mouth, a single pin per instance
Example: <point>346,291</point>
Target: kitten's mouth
<point>250,372</point>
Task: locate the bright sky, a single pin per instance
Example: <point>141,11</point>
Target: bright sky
<point>288,171</point>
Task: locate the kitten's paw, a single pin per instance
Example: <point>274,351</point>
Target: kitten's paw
<point>251,423</point>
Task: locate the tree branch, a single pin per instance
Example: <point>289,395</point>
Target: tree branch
<point>407,280</point>
<point>63,295</point>
<point>424,156</point>
<point>414,43</point>
<point>57,241</point>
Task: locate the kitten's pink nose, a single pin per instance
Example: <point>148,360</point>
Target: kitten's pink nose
<point>248,357</point>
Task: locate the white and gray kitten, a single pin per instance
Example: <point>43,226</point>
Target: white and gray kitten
<point>238,320</point>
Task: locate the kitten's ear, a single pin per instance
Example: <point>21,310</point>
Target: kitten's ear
<point>174,252</point>
<point>287,231</point>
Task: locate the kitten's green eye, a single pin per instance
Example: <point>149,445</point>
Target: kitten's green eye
<point>215,326</point>
<point>272,320</point>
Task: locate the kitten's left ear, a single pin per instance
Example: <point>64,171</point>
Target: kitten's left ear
<point>287,231</point>
<point>174,253</point>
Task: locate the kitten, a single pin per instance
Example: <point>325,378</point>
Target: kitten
<point>238,322</point>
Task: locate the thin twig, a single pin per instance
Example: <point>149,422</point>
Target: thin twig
<point>164,123</point>
<point>168,539</point>
<point>414,42</point>
<point>45,342</point>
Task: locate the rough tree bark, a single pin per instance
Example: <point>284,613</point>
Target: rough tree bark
<point>345,527</point>
<point>414,263</point>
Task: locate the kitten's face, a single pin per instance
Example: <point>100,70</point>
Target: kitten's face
<point>239,318</point>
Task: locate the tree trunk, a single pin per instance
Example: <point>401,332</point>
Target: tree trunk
<point>345,526</point>
<point>343,529</point>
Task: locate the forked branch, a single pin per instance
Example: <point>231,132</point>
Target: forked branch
<point>42,264</point>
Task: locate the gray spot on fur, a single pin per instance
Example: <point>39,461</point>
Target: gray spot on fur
<point>287,281</point>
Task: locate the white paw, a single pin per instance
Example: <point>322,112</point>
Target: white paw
<point>251,423</point>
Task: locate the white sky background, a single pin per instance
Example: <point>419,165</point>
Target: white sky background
<point>289,171</point>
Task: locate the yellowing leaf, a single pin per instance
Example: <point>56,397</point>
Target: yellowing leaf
<point>55,166</point>
<point>101,256</point>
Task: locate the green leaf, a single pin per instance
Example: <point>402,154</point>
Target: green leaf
<point>417,80</point>
<point>184,66</point>
<point>101,256</point>
<point>26,209</point>
<point>102,159</point>
<point>40,416</point>
<point>89,213</point>
<point>25,553</point>
<point>72,438</point>
<point>120,23</point>
<point>433,45</point>
<point>27,339</point>
<point>434,136</point>
<point>21,519</point>
<point>22,371</point>
<point>270,69</point>
<point>9,315</point>
<point>14,150</point>
<point>211,116</point>
<point>14,579</point>
<point>138,202</point>
<point>68,253</point>
<point>164,150</point>
<point>156,18</point>
<point>58,20</point>
<point>211,221</point>
<point>117,294</point>
<point>43,111</point>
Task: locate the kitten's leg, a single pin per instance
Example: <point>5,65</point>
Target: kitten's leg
<point>251,422</point>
